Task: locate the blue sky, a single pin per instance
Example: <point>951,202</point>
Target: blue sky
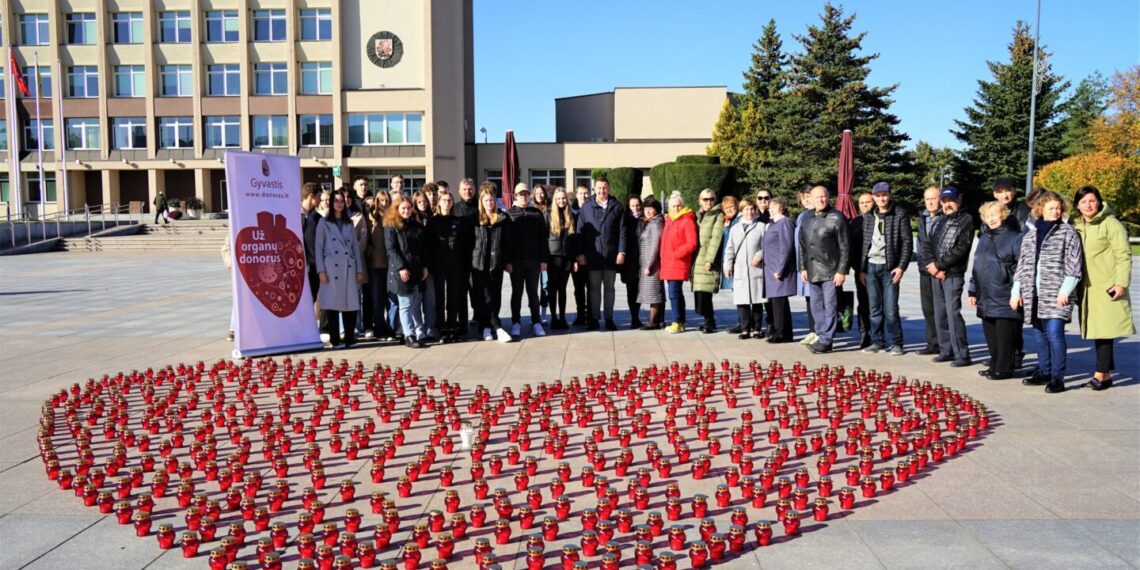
<point>529,53</point>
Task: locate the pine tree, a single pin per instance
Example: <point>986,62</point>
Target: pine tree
<point>765,78</point>
<point>996,129</point>
<point>1089,100</point>
<point>828,92</point>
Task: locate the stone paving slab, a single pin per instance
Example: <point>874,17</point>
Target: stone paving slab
<point>1054,485</point>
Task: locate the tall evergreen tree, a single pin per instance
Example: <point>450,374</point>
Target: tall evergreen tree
<point>765,77</point>
<point>996,129</point>
<point>1089,100</point>
<point>827,93</point>
<point>933,165</point>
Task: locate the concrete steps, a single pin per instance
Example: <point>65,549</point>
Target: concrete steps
<point>189,235</point>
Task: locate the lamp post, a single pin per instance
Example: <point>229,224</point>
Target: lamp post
<point>1033,101</point>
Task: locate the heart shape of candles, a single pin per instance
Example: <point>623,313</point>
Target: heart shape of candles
<point>334,465</point>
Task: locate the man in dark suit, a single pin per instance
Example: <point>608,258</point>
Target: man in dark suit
<point>602,238</point>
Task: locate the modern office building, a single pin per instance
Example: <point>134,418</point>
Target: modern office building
<point>138,96</point>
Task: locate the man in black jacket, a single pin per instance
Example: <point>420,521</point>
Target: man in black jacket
<point>824,251</point>
<point>527,254</point>
<point>926,220</point>
<point>1005,192</point>
<point>602,237</point>
<point>948,253</point>
<point>578,277</point>
<point>467,207</point>
<point>883,258</point>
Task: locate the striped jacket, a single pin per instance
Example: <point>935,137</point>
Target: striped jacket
<point>1041,277</point>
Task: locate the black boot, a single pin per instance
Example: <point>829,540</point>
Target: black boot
<point>1056,385</point>
<point>1036,380</point>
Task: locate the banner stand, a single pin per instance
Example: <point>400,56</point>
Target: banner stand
<point>279,350</point>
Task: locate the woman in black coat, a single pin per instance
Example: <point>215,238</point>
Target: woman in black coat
<point>449,236</point>
<point>995,261</point>
<point>487,261</point>
<point>560,241</point>
<point>406,241</point>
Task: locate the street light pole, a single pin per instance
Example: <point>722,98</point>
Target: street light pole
<point>1033,101</point>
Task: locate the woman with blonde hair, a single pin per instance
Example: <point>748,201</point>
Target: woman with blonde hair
<point>1048,271</point>
<point>678,243</point>
<point>487,262</point>
<point>995,261</point>
<point>560,241</point>
<point>706,269</point>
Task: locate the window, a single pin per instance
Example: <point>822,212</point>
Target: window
<point>4,187</point>
<point>34,194</point>
<point>316,25</point>
<point>495,177</point>
<point>269,25</point>
<point>389,128</point>
<point>3,138</point>
<point>175,27</point>
<point>224,79</point>
<point>270,79</point>
<point>129,133</point>
<point>270,131</point>
<point>44,80</point>
<point>177,81</point>
<point>83,134</point>
<point>33,132</point>
<point>316,78</point>
<point>176,132</point>
<point>128,27</point>
<point>83,81</point>
<point>81,29</point>
<point>583,177</point>
<point>223,131</point>
<point>222,26</point>
<point>380,179</point>
<point>130,81</point>
<point>548,176</point>
<point>316,130</point>
<point>34,29</point>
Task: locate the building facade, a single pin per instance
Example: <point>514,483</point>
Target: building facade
<point>142,96</point>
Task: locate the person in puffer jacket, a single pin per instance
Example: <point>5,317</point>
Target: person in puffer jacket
<point>1048,272</point>
<point>948,252</point>
<point>995,261</point>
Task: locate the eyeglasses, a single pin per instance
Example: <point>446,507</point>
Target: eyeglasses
<point>706,199</point>
<point>763,197</point>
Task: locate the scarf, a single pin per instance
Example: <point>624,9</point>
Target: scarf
<point>1043,229</point>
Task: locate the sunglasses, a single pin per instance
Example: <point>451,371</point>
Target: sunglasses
<point>763,197</point>
<point>706,199</point>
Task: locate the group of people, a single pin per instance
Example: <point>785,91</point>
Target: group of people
<point>406,268</point>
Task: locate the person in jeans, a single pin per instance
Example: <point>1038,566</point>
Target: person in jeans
<point>602,244</point>
<point>991,282</point>
<point>527,254</point>
<point>406,240</point>
<point>678,244</point>
<point>862,309</point>
<point>1048,271</point>
<point>801,287</point>
<point>948,252</point>
<point>926,220</point>
<point>825,251</point>
<point>883,258</point>
<point>340,270</point>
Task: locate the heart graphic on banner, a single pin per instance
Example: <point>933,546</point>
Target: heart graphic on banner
<point>373,466</point>
<point>271,259</point>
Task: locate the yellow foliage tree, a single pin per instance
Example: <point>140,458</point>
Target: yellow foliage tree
<point>1114,165</point>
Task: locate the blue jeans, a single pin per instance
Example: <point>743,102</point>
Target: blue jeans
<point>824,301</point>
<point>884,299</point>
<point>1051,347</point>
<point>411,314</point>
<point>676,299</point>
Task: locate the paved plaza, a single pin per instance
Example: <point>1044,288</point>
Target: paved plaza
<point>1054,484</point>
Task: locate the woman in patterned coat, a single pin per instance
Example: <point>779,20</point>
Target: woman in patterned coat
<point>650,289</point>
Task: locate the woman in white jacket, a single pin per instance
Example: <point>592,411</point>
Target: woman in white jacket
<point>341,271</point>
<point>743,263</point>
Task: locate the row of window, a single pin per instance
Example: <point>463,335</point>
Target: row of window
<point>32,180</point>
<point>174,27</point>
<point>269,131</point>
<point>223,79</point>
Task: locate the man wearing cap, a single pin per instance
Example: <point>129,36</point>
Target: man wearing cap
<point>824,264</point>
<point>526,255</point>
<point>602,236</point>
<point>1005,192</point>
<point>884,256</point>
<point>948,252</point>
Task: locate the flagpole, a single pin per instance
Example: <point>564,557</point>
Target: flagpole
<point>40,136</point>
<point>15,197</point>
<point>63,149</point>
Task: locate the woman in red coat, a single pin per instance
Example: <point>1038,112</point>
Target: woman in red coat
<point>678,243</point>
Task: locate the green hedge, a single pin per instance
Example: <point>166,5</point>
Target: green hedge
<point>697,159</point>
<point>624,182</point>
<point>689,178</point>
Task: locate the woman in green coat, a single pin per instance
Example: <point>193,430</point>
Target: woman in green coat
<point>1106,312</point>
<point>706,268</point>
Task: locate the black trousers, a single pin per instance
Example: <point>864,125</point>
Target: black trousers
<point>488,291</point>
<point>581,301</point>
<point>780,315</point>
<point>472,294</point>
<point>335,319</point>
<point>450,301</point>
<point>366,317</point>
<point>703,305</point>
<point>314,288</point>
<point>751,317</point>
<point>525,273</point>
<point>1105,363</point>
<point>630,275</point>
<point>863,310</point>
<point>926,291</point>
<point>811,317</point>
<point>999,339</point>
<point>556,278</point>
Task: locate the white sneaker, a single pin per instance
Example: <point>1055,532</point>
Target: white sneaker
<point>516,329</point>
<point>809,339</point>
<point>504,336</point>
<point>324,337</point>
<point>368,334</point>
<point>542,315</point>
<point>538,331</point>
<point>488,335</point>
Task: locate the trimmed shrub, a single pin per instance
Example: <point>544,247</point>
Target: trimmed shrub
<point>690,179</point>
<point>624,182</point>
<point>697,159</point>
<point>658,179</point>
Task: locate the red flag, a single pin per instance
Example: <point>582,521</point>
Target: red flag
<point>17,75</point>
